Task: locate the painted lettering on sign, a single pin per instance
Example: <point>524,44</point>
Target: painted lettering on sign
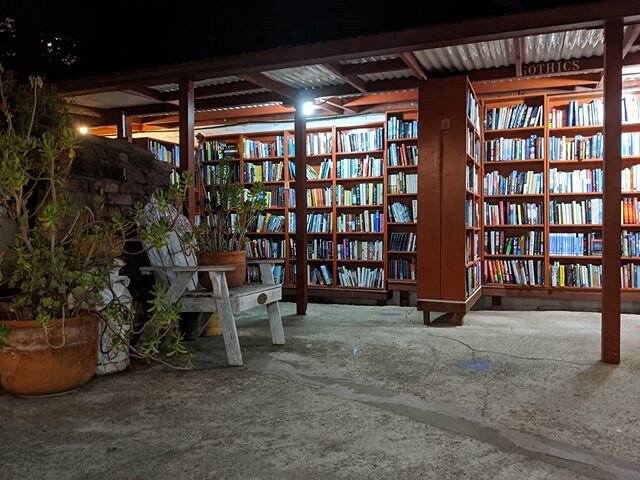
<point>550,68</point>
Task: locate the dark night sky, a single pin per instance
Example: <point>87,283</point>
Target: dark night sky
<point>114,35</point>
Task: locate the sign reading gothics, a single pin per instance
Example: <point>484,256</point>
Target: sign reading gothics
<point>550,68</point>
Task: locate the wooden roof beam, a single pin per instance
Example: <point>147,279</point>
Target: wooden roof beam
<point>265,82</point>
<point>151,94</point>
<point>367,68</point>
<point>353,80</point>
<point>412,62</point>
<point>631,34</point>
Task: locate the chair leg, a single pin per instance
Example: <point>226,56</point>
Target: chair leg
<point>275,322</point>
<point>229,332</point>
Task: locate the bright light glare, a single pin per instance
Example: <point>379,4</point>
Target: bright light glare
<point>83,130</point>
<point>308,108</point>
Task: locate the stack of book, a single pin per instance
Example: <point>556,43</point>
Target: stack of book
<point>575,244</point>
<point>319,275</point>
<point>402,155</point>
<point>473,279</point>
<point>576,181</point>
<point>268,223</point>
<point>518,183</point>
<point>630,144</point>
<point>361,140</point>
<point>366,221</point>
<point>323,172</point>
<point>211,174</point>
<point>258,149</point>
<point>578,115</point>
<point>319,222</point>
<point>214,150</point>
<point>576,275</point>
<point>171,154</point>
<point>360,250</point>
<point>402,241</point>
<point>583,212</point>
<point>580,148</point>
<point>361,277</point>
<point>403,183</point>
<point>265,248</point>
<point>319,249</point>
<point>630,275</point>
<point>402,269</point>
<point>473,110</point>
<point>507,213</point>
<point>401,213</point>
<point>630,110</point>
<point>473,145</point>
<point>528,243</point>
<point>514,272</point>
<point>630,211</point>
<point>471,216</point>
<point>263,172</point>
<point>630,243</point>
<point>471,178</point>
<point>631,179</point>
<point>359,167</point>
<point>361,194</point>
<point>514,116</point>
<point>319,143</point>
<point>319,197</point>
<point>508,149</point>
<point>471,247</point>
<point>398,128</point>
<point>274,196</point>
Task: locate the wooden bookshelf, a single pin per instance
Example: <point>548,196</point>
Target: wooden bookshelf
<point>163,151</point>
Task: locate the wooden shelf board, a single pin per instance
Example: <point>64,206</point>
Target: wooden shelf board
<point>364,207</point>
<point>401,167</point>
<point>359,179</point>
<point>319,233</point>
<point>513,163</point>
<point>576,257</point>
<point>630,259</point>
<point>576,194</point>
<point>402,140</point>
<point>511,257</point>
<point>402,195</point>
<point>403,224</point>
<point>400,280</point>
<point>630,194</point>
<point>317,155</point>
<point>575,225</point>
<point>316,260</point>
<point>362,233</point>
<point>631,225</point>
<point>473,160</point>
<point>515,195</point>
<point>367,152</point>
<point>513,226</point>
<point>472,193</point>
<point>262,159</point>
<point>266,233</point>
<point>586,161</point>
<point>360,261</point>
<point>328,207</point>
<point>276,182</point>
<point>314,180</point>
<point>505,131</point>
<point>401,252</point>
<point>575,129</point>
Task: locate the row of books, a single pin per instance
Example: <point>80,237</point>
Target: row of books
<point>473,145</point>
<point>320,197</point>
<point>253,274</point>
<point>274,195</point>
<point>630,179</point>
<point>319,222</point>
<point>630,275</point>
<point>576,181</point>
<point>471,216</point>
<point>402,269</point>
<point>361,140</point>
<point>577,114</point>
<point>319,248</point>
<point>514,272</point>
<point>508,149</point>
<point>258,149</point>
<point>527,243</point>
<point>267,223</point>
<point>263,172</point>
<point>319,275</point>
<point>577,212</point>
<point>402,241</point>
<point>473,110</point>
<point>473,279</point>
<point>630,110</point>
<point>508,213</point>
<point>361,277</point>
<point>514,116</point>
<point>360,250</point>
<point>359,167</point>
<point>398,128</point>
<point>319,143</point>
<point>528,182</point>
<point>323,171</point>
<point>580,148</point>
<point>471,247</point>
<point>212,174</point>
<point>402,154</point>
<point>215,150</point>
<point>576,275</point>
<point>575,244</point>
<point>630,144</point>
<point>403,213</point>
<point>630,211</point>
<point>360,222</point>
<point>361,194</point>
<point>630,243</point>
<point>471,178</point>
<point>265,248</point>
<point>402,183</point>
<point>171,155</point>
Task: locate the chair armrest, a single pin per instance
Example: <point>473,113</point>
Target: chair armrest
<point>194,269</point>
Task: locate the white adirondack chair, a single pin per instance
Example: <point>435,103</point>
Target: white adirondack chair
<point>178,270</point>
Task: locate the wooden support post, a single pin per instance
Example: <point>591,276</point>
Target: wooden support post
<point>611,298</point>
<point>124,128</point>
<point>187,138</point>
<point>302,288</point>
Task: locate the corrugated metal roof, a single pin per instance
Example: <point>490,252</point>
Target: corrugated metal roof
<point>170,87</point>
<point>377,58</point>
<point>562,45</point>
<point>372,77</point>
<point>471,56</point>
<point>111,99</point>
<point>307,76</point>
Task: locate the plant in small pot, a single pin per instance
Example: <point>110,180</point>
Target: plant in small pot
<point>232,211</point>
<point>61,255</point>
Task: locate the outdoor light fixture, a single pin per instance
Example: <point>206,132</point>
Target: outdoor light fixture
<point>308,108</point>
<point>83,130</point>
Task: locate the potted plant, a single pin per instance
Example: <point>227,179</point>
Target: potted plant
<point>61,255</point>
<point>232,210</point>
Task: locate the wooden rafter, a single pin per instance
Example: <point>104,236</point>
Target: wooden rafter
<point>353,80</point>
<point>412,62</point>
<point>265,82</point>
<point>631,34</point>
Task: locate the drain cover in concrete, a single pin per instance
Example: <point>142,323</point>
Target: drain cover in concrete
<point>475,365</point>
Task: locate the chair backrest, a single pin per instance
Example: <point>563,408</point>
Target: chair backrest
<point>175,252</point>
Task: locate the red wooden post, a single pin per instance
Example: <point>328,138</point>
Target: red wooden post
<point>302,288</point>
<point>187,138</point>
<point>613,33</point>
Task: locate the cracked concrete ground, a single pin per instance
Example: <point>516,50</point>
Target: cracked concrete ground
<point>357,392</point>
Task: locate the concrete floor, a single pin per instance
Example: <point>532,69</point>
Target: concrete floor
<point>357,392</point>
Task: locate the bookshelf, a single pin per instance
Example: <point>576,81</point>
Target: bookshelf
<point>163,151</point>
<point>401,161</point>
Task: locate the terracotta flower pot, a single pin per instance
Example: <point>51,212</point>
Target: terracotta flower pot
<point>237,258</point>
<point>30,367</point>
